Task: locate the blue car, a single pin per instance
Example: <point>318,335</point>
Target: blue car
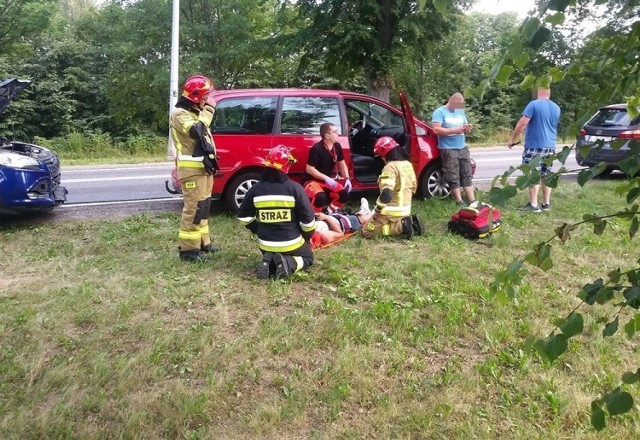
<point>29,174</point>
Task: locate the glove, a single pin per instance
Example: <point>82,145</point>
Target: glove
<point>211,166</point>
<point>347,185</point>
<point>331,182</point>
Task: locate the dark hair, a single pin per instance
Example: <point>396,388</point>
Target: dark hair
<point>397,153</point>
<point>325,129</point>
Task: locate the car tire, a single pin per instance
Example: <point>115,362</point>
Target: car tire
<point>432,184</point>
<point>238,188</point>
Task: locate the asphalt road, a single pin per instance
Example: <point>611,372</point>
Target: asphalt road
<point>99,184</point>
<point>107,191</point>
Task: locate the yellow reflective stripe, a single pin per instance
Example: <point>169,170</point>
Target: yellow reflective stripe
<point>204,230</point>
<point>186,158</point>
<point>386,229</point>
<point>274,201</point>
<point>299,263</point>
<point>308,227</point>
<point>189,164</point>
<point>189,235</point>
<point>275,204</point>
<point>246,220</point>
<point>281,246</point>
<point>397,211</point>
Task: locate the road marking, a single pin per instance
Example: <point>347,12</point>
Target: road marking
<point>490,179</point>
<point>110,179</point>
<point>118,202</point>
<point>81,169</point>
<point>502,159</point>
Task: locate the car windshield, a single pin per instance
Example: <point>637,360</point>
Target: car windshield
<point>612,118</point>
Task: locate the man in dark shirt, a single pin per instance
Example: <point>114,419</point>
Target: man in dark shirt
<point>328,184</point>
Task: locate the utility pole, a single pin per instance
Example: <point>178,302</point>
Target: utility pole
<point>173,82</point>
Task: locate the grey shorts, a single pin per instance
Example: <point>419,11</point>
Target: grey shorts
<point>456,166</point>
<point>530,153</point>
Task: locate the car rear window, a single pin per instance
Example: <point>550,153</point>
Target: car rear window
<point>612,118</point>
<point>305,115</point>
<point>250,115</point>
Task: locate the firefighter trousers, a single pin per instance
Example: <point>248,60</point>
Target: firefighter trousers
<point>300,259</point>
<point>382,225</point>
<point>194,225</point>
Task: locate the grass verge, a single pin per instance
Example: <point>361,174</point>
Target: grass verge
<point>105,334</point>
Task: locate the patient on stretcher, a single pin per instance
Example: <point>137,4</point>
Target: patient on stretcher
<point>332,227</point>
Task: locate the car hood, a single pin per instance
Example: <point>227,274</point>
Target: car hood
<point>9,89</point>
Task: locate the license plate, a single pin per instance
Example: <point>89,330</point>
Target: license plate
<point>598,138</point>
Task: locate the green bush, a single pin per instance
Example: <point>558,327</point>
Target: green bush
<point>76,145</point>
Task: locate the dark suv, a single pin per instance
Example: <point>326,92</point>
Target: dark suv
<point>610,125</point>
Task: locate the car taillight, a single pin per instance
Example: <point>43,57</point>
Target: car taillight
<point>630,134</point>
<point>583,132</point>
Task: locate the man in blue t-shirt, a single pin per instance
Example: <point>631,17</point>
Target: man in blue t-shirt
<point>539,122</point>
<point>450,124</point>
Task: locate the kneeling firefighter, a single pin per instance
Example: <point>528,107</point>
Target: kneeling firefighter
<point>196,161</point>
<point>278,211</point>
<point>397,182</point>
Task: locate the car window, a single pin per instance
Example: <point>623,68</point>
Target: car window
<point>611,118</point>
<point>305,115</point>
<point>250,115</point>
<point>376,115</point>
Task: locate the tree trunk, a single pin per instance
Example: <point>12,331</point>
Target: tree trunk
<point>379,88</point>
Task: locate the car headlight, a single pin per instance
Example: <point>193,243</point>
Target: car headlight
<point>13,160</point>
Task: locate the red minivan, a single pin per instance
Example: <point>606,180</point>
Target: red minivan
<point>249,122</point>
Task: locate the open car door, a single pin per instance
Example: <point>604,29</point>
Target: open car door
<point>409,129</point>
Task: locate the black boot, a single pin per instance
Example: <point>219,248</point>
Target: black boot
<point>264,271</point>
<point>209,248</point>
<point>195,256</point>
<point>283,269</point>
<point>407,227</point>
<point>418,226</point>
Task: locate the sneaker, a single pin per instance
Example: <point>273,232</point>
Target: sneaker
<point>530,208</point>
<point>194,256</point>
<point>407,227</point>
<point>364,207</point>
<point>418,226</point>
<point>283,270</point>
<point>209,248</point>
<point>545,206</point>
<point>461,204</point>
<point>263,271</point>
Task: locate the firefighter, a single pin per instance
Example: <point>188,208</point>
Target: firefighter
<point>197,163</point>
<point>392,214</point>
<point>278,211</point>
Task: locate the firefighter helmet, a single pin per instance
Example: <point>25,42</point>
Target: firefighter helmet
<point>384,145</point>
<point>196,87</point>
<point>280,158</point>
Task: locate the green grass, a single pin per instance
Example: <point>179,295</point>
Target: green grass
<point>105,334</point>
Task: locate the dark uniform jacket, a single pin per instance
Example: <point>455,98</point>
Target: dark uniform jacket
<point>279,213</point>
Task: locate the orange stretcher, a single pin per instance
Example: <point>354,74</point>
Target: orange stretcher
<point>316,243</point>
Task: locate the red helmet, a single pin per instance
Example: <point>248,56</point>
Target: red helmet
<point>384,145</point>
<point>280,158</point>
<point>196,87</point>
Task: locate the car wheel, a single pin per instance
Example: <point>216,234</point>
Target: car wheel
<point>238,189</point>
<point>432,183</point>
